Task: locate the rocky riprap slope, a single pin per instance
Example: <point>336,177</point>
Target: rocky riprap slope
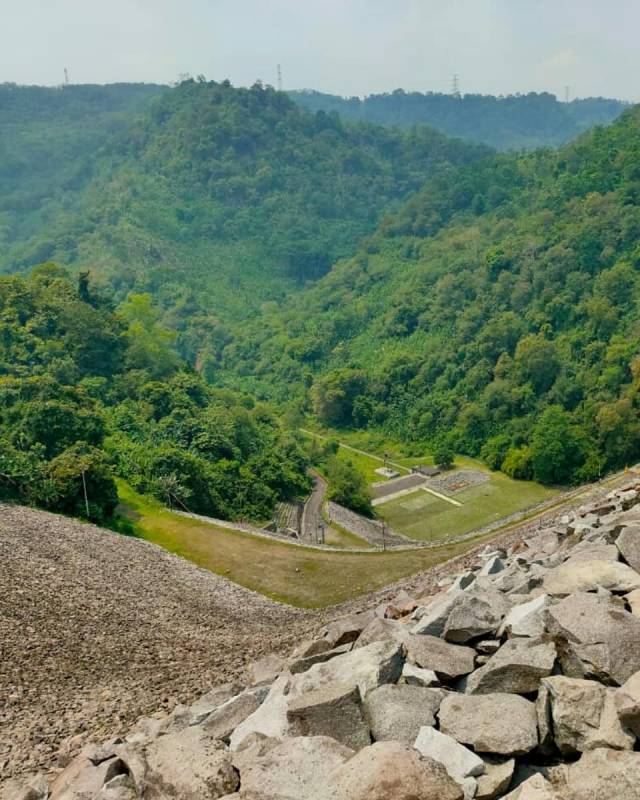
<point>97,629</point>
<point>519,679</point>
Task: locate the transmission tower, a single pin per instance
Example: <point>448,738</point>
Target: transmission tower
<point>66,76</point>
<point>566,94</point>
<point>455,86</point>
<point>279,78</point>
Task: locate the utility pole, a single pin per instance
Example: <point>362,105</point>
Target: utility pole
<point>279,78</point>
<point>66,76</point>
<point>384,536</point>
<point>566,93</point>
<point>86,497</point>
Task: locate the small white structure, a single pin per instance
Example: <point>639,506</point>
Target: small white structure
<point>386,472</point>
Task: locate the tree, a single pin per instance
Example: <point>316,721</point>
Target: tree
<point>443,454</point>
<point>83,483</point>
<point>556,447</point>
<point>334,395</point>
<point>348,487</point>
<point>149,345</point>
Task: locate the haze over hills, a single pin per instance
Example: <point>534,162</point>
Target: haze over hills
<point>496,311</point>
<point>513,122</point>
<point>237,193</point>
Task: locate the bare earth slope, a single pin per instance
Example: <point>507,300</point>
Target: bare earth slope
<point>97,629</point>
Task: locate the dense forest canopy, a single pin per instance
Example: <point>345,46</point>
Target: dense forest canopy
<point>495,313</point>
<point>513,122</point>
<point>215,196</point>
<point>89,392</point>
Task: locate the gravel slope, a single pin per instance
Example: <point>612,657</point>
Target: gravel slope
<point>97,629</point>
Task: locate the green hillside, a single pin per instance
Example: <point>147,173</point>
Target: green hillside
<point>514,122</point>
<point>495,314</point>
<point>217,199</point>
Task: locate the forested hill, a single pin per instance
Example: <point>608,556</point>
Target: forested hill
<point>49,138</point>
<point>497,312</point>
<point>217,195</point>
<point>513,122</point>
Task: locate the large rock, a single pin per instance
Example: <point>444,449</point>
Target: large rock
<point>346,629</point>
<point>270,718</point>
<point>535,788</point>
<point>516,668</point>
<point>604,775</point>
<point>399,712</point>
<point>526,619</point>
<point>189,765</point>
<point>365,667</point>
<point>428,652</point>
<point>461,763</point>
<point>585,576</point>
<point>478,612</point>
<point>627,702</point>
<point>82,778</point>
<point>389,771</point>
<point>601,639</point>
<point>286,769</point>
<point>266,670</point>
<point>628,543</point>
<point>505,724</point>
<point>333,710</point>
<point>417,676</point>
<point>496,779</point>
<point>584,716</point>
<point>432,617</point>
<point>221,722</point>
<point>297,665</point>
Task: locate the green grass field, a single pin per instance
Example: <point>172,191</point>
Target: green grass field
<point>300,576</point>
<point>422,516</point>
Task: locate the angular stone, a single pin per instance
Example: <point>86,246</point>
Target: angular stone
<point>584,717</point>
<point>633,599</point>
<point>627,702</point>
<point>334,710</point>
<point>82,778</point>
<point>526,619</point>
<point>602,639</point>
<point>270,718</point>
<point>416,676</point>
<point>496,779</point>
<point>535,788</point>
<point>389,771</point>
<point>401,605</point>
<point>492,566</point>
<point>33,788</point>
<point>593,552</point>
<point>460,762</point>
<point>604,774</point>
<point>189,764</point>
<point>479,612</point>
<point>516,668</point>
<point>505,724</point>
<point>543,712</point>
<point>572,577</point>
<point>347,629</point>
<point>225,719</point>
<point>398,712</point>
<point>429,652</point>
<point>266,670</point>
<point>298,665</point>
<point>366,667</point>
<point>628,543</point>
<point>287,769</point>
<point>433,617</point>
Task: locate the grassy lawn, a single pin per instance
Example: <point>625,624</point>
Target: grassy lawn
<point>423,516</point>
<point>300,576</point>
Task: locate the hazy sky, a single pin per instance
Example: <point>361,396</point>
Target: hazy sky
<point>340,46</point>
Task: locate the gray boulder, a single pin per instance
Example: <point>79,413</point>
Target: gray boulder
<point>604,774</point>
<point>417,676</point>
<point>584,717</point>
<point>399,712</point>
<point>286,769</point>
<point>628,543</point>
<point>225,719</point>
<point>266,670</point>
<point>478,612</point>
<point>585,576</point>
<point>347,629</point>
<point>504,724</point>
<point>535,788</point>
<point>388,770</point>
<point>333,710</point>
<point>461,764</point>
<point>189,765</point>
<point>627,702</point>
<point>517,667</point>
<point>496,779</point>
<point>526,619</point>
<point>600,639</point>
<point>297,665</point>
<point>433,616</point>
